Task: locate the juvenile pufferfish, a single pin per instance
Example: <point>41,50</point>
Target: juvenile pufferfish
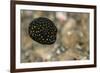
<point>43,31</point>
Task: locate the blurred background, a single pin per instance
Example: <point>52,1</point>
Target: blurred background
<point>72,37</point>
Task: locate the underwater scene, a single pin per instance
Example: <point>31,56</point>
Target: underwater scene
<point>54,36</point>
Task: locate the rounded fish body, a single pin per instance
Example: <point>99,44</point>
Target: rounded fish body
<point>43,31</point>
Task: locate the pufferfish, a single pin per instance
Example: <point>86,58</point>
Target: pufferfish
<point>43,31</point>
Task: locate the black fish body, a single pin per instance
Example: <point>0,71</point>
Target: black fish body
<point>43,31</point>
